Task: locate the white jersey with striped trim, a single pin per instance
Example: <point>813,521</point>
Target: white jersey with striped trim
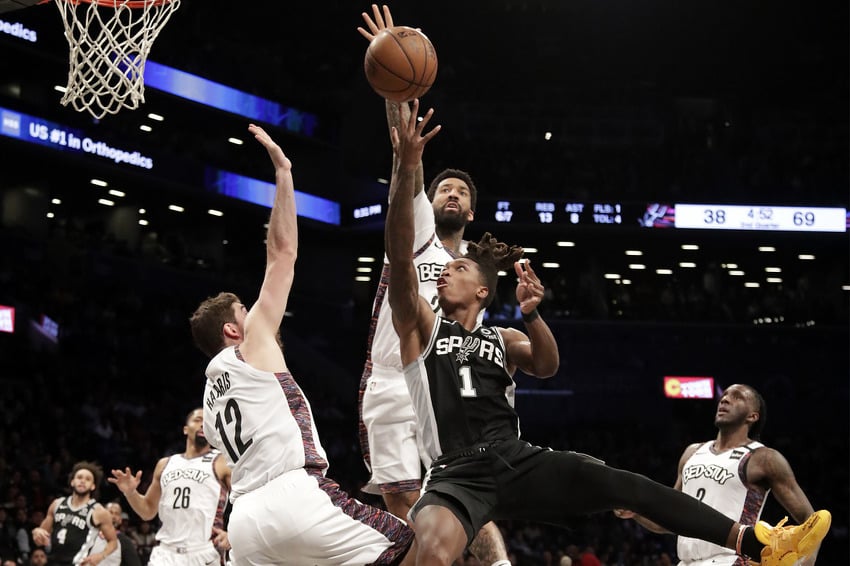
<point>429,258</point>
<point>720,481</point>
<point>261,422</point>
<point>462,393</point>
<point>191,494</point>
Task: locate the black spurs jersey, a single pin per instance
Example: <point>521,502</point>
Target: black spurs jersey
<point>461,391</point>
<point>73,533</point>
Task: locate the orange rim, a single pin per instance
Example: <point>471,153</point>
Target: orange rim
<point>114,3</point>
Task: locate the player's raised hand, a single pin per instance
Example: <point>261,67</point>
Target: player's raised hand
<point>279,159</point>
<point>409,141</point>
<point>529,289</point>
<point>377,22</point>
<point>125,481</point>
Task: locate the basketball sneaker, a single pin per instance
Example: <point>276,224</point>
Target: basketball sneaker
<point>785,545</point>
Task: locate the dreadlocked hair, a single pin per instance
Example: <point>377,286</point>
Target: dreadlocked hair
<point>491,256</point>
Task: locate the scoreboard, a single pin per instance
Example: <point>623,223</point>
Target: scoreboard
<point>664,215</point>
<point>644,215</point>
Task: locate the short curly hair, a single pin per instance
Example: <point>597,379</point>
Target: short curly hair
<point>491,256</point>
<point>457,174</point>
<point>93,467</point>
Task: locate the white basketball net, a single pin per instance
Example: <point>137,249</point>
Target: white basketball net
<point>110,42</point>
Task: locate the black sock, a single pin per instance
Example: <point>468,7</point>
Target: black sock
<point>750,545</point>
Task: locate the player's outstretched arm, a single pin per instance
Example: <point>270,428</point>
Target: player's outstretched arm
<point>774,469</point>
<point>399,232</point>
<point>263,320</point>
<point>537,352</point>
<point>397,112</point>
<point>146,506</point>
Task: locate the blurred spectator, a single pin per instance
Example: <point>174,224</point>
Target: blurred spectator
<point>8,540</point>
<point>38,557</point>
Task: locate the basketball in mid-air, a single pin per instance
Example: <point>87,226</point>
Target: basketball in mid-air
<point>401,63</point>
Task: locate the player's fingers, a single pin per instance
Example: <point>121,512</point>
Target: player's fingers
<point>388,16</point>
<point>425,119</point>
<point>379,19</point>
<point>427,137</point>
<point>369,36</point>
<point>414,112</point>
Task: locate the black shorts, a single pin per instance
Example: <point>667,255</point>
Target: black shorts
<point>508,480</point>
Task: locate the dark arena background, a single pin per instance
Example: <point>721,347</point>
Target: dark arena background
<point>680,170</point>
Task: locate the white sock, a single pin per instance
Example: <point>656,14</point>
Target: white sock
<point>501,563</point>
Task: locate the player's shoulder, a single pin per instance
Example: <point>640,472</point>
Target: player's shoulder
<point>692,449</point>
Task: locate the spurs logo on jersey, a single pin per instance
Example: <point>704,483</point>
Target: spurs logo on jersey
<point>713,472</point>
<point>461,392</point>
<point>71,519</point>
<point>73,534</point>
<point>465,346</point>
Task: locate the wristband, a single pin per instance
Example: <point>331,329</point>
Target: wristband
<point>741,529</point>
<point>530,317</point>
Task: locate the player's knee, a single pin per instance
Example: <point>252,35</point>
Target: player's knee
<point>440,537</point>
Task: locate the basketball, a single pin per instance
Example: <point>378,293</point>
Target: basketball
<point>401,63</point>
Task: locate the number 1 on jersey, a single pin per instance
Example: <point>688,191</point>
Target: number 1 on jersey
<point>467,389</point>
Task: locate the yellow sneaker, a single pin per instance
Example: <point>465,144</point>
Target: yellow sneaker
<point>771,558</point>
<point>798,540</point>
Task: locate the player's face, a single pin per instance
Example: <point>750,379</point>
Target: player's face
<point>459,283</point>
<point>114,510</point>
<point>83,482</point>
<point>194,429</point>
<point>736,404</point>
<point>452,204</point>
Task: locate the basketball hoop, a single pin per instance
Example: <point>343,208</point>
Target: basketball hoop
<point>110,41</point>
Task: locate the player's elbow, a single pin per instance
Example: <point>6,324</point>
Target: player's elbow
<point>544,369</point>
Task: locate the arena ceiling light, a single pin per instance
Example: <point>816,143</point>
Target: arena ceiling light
<point>664,271</point>
<point>99,182</point>
<point>176,208</point>
<point>690,247</point>
<point>767,249</point>
<point>634,252</point>
<point>806,257</point>
<point>565,244</point>
<point>366,259</point>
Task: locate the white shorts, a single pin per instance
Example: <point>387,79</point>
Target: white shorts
<point>395,458</point>
<point>723,560</point>
<point>303,520</point>
<point>168,555</point>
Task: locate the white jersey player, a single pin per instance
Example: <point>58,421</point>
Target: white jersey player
<point>734,474</point>
<point>285,510</point>
<point>188,492</point>
<point>719,479</point>
<point>389,441</point>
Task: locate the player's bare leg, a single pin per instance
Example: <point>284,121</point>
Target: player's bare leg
<point>399,504</point>
<point>488,546</point>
